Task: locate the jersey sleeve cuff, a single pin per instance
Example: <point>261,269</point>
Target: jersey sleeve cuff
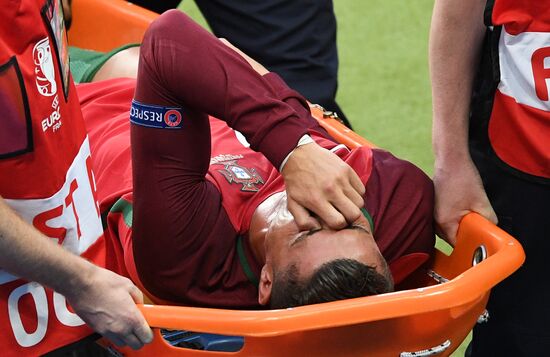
<point>281,140</point>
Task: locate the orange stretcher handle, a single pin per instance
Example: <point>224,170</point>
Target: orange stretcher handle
<point>337,130</point>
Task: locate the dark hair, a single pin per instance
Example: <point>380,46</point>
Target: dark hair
<point>335,280</point>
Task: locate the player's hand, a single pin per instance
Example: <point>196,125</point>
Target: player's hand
<point>458,191</point>
<point>107,303</point>
<point>318,181</point>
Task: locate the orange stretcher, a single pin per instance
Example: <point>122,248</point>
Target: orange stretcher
<point>432,317</point>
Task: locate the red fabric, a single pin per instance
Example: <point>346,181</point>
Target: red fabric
<point>518,132</point>
<point>187,213</point>
<point>105,106</point>
<point>521,15</point>
<point>404,266</point>
<point>519,135</point>
<point>399,197</point>
<point>177,52</point>
<point>23,175</point>
<point>49,181</point>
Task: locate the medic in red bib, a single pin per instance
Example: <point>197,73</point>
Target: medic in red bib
<point>47,179</point>
<point>489,69</point>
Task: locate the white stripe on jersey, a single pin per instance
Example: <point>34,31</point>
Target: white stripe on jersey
<point>516,72</point>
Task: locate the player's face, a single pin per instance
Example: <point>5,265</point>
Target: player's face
<point>286,244</point>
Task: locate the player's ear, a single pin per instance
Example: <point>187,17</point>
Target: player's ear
<point>266,280</point>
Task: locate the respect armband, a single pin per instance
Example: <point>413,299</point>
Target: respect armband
<point>156,116</point>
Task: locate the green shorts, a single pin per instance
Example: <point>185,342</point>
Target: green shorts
<point>85,63</point>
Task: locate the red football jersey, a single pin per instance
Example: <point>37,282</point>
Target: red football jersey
<point>519,126</point>
<point>209,272</point>
<point>46,171</point>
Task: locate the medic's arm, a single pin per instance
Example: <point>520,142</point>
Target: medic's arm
<point>456,37</point>
<point>105,300</point>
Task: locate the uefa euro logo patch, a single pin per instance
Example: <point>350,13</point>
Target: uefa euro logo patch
<point>155,116</point>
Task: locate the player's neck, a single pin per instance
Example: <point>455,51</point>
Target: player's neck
<point>260,223</point>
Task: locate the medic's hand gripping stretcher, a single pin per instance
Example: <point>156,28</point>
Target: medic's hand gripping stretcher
<point>431,318</point>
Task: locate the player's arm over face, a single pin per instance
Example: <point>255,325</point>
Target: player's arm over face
<point>456,37</point>
<point>184,66</point>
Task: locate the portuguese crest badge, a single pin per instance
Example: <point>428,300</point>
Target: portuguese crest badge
<point>234,173</point>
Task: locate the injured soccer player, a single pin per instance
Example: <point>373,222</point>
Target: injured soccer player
<point>223,191</point>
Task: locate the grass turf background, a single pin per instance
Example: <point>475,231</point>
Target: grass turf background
<point>384,86</point>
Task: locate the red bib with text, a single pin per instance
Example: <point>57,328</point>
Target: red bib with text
<point>46,171</point>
